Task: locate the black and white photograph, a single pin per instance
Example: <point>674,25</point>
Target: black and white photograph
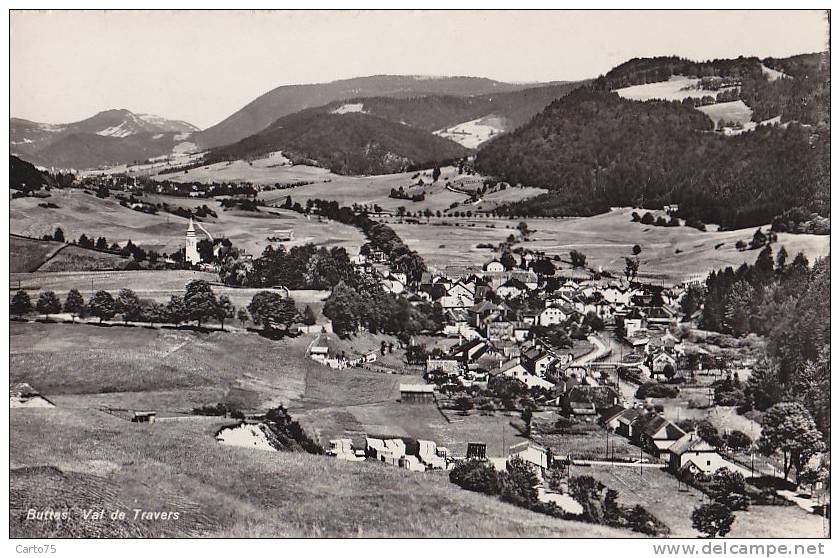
<point>420,274</point>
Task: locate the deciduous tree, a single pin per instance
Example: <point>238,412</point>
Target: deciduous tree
<point>48,303</point>
<point>74,304</point>
<point>102,306</point>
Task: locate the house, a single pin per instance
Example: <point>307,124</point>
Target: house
<point>521,331</point>
<point>639,343</point>
<point>24,395</point>
<point>553,315</point>
<point>660,364</point>
<point>530,279</point>
<point>589,399</point>
<point>659,434</point>
<point>513,368</point>
<point>622,420</point>
<point>483,312</point>
<point>512,288</point>
<point>634,322</point>
<point>417,393</point>
<point>459,295</point>
<point>531,381</point>
<point>469,351</point>
<point>494,266</point>
<point>537,361</point>
<point>448,366</point>
<point>532,453</point>
<point>692,453</point>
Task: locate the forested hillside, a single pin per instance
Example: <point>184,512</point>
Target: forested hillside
<point>595,150</point>
<point>786,300</point>
<point>435,112</point>
<point>352,143</point>
<point>802,95</point>
<point>25,177</point>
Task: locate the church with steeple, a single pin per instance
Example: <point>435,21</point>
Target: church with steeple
<point>191,253</point>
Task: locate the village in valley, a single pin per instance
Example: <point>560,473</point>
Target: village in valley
<point>591,382</point>
<point>478,329</point>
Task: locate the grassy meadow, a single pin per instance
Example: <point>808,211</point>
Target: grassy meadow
<point>668,253</point>
<point>79,213</point>
<point>76,459</point>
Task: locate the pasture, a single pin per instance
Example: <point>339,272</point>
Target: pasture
<point>79,213</point>
<point>26,255</point>
<point>670,254</point>
<point>74,456</point>
<point>475,132</point>
<point>672,502</point>
<point>734,111</point>
<point>675,89</point>
<point>75,459</point>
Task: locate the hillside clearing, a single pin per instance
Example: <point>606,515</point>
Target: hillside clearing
<point>474,132</point>
<point>675,89</point>
<point>734,111</point>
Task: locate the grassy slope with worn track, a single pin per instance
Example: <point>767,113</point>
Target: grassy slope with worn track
<point>75,456</point>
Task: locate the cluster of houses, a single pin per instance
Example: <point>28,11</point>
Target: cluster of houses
<point>684,452</point>
<point>321,354</point>
<point>419,455</point>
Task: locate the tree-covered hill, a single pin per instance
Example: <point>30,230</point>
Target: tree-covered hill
<point>25,177</point>
<point>351,143</point>
<point>594,150</point>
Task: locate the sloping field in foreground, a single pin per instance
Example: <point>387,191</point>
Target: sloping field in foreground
<point>78,459</point>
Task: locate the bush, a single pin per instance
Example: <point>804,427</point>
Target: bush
<point>518,485</point>
<point>655,389</point>
<point>737,440</point>
<point>475,476</point>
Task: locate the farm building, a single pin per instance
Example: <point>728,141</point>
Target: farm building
<point>417,393</point>
<point>143,416</point>
<point>622,421</point>
<point>477,450</point>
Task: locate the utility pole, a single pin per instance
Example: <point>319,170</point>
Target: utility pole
<point>640,462</point>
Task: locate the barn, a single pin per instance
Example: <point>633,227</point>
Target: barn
<point>417,393</point>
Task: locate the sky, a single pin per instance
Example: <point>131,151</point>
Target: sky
<point>203,66</point>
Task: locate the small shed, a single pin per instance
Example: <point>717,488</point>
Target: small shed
<point>144,416</point>
<point>417,393</point>
<point>476,450</point>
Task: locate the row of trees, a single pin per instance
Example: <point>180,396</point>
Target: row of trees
<point>198,304</point>
<point>380,236</point>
